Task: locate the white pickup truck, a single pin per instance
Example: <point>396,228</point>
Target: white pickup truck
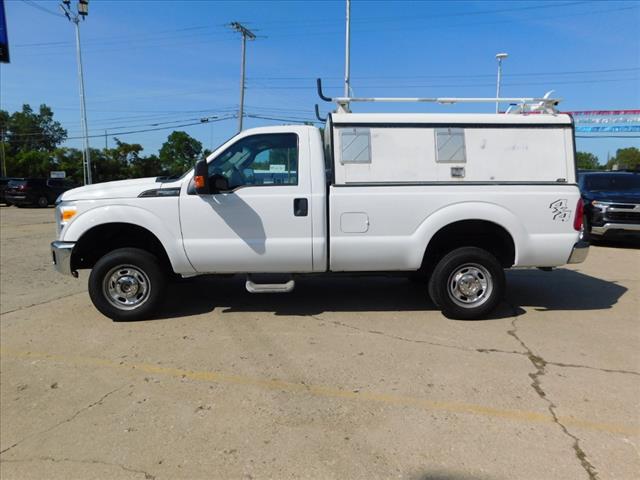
<point>454,198</point>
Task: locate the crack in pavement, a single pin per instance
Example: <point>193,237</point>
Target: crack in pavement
<point>67,420</point>
<point>466,349</point>
<point>395,337</point>
<point>147,475</point>
<point>41,303</point>
<point>540,365</point>
<point>558,364</point>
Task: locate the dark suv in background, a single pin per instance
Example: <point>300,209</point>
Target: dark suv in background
<point>41,192</point>
<point>611,204</point>
<point>4,183</point>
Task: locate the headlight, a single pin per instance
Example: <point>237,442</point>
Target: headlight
<point>600,205</point>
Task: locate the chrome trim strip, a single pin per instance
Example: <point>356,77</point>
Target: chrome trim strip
<point>633,227</point>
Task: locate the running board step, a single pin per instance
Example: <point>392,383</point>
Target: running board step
<point>253,287</point>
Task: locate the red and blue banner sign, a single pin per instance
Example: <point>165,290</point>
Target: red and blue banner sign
<point>607,121</point>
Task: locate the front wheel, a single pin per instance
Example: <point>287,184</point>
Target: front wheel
<point>43,202</point>
<point>467,283</point>
<point>127,284</point>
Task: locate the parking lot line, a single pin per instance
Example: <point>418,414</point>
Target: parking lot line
<point>323,391</point>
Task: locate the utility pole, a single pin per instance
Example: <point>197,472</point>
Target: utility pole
<point>82,12</point>
<point>499,57</point>
<point>347,60</point>
<point>246,33</point>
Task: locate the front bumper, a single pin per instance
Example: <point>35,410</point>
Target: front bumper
<point>18,199</point>
<point>61,252</point>
<point>620,227</point>
<point>579,252</point>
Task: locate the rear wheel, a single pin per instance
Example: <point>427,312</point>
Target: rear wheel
<point>467,283</point>
<point>127,284</point>
<point>43,202</point>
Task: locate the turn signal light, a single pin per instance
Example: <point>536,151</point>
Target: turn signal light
<point>67,214</point>
<point>198,181</point>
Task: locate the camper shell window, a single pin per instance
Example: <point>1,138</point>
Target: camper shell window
<point>450,146</point>
<point>355,145</point>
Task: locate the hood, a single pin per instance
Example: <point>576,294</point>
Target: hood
<point>118,189</point>
<point>619,196</point>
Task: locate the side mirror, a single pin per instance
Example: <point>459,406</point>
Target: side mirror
<point>201,178</point>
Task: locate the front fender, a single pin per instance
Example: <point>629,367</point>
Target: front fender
<point>168,232</point>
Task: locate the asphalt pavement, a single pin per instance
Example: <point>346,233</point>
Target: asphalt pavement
<point>342,378</point>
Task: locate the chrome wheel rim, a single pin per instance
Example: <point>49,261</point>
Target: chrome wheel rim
<point>126,287</point>
<point>470,285</point>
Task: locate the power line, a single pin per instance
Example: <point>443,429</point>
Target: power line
<point>476,75</point>
<point>439,24</point>
<point>549,83</point>
<point>114,134</point>
<point>431,15</point>
<point>33,4</point>
<point>106,40</point>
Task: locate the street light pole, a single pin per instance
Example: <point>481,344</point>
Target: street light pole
<point>83,11</point>
<point>499,57</point>
<point>246,33</point>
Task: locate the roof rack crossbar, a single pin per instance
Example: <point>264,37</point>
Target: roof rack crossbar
<point>544,103</point>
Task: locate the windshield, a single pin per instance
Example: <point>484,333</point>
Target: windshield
<point>611,182</point>
<point>17,183</point>
<point>180,176</point>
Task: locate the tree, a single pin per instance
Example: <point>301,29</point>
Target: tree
<point>626,158</point>
<point>27,131</point>
<point>587,161</point>
<point>146,167</point>
<point>70,161</point>
<point>115,163</point>
<point>179,153</point>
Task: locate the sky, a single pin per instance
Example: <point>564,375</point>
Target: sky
<point>161,64</point>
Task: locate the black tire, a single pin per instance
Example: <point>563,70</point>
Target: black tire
<point>123,272</point>
<point>42,202</point>
<point>479,286</point>
<point>432,291</point>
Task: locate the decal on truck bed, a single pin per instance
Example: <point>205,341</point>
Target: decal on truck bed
<point>560,210</point>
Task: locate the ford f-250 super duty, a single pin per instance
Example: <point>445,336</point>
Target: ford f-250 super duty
<point>456,198</point>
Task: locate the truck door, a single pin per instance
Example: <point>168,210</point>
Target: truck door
<point>262,221</point>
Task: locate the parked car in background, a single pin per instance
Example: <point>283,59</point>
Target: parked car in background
<point>611,204</point>
<point>40,192</point>
<point>4,182</point>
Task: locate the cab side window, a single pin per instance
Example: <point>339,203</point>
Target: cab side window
<point>265,159</point>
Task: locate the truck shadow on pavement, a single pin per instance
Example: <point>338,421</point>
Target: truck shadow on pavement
<point>561,289</point>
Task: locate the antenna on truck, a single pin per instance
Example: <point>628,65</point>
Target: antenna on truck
<point>543,104</point>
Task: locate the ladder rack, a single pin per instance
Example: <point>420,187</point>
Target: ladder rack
<point>544,104</point>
